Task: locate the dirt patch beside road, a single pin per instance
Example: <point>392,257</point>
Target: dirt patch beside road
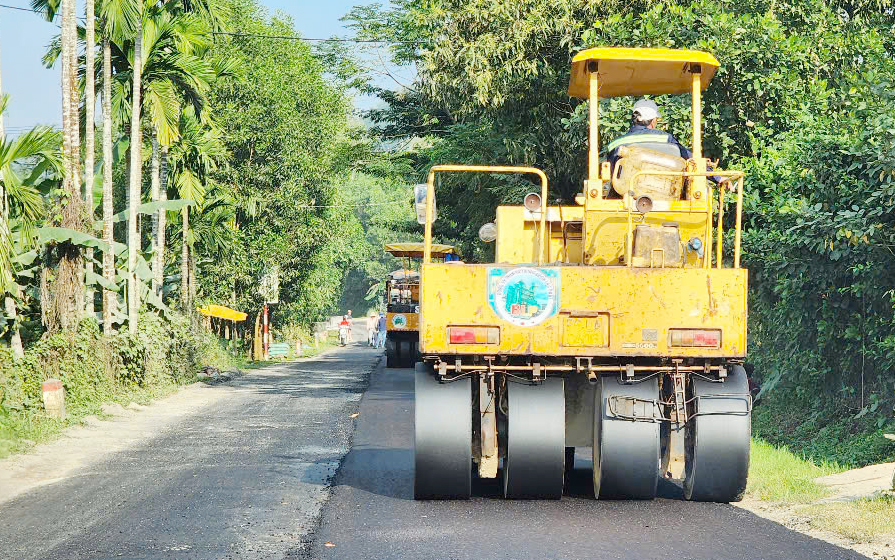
<point>81,445</point>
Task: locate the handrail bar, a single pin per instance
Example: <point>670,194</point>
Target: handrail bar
<point>430,195</point>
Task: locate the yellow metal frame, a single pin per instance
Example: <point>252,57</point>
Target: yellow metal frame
<point>430,196</point>
<point>605,311</point>
<point>737,175</point>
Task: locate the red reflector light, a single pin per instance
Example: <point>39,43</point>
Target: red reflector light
<point>698,338</point>
<point>474,335</point>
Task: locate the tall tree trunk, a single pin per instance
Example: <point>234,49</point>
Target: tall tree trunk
<point>15,339</point>
<point>192,282</point>
<point>154,189</point>
<point>136,145</point>
<point>161,217</point>
<point>62,303</point>
<point>89,138</point>
<point>185,263</point>
<point>110,298</point>
<point>75,125</point>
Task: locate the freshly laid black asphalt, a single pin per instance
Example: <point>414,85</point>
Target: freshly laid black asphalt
<point>371,513</point>
<point>247,477</point>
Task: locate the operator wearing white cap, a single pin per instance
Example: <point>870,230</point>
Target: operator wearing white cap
<point>643,132</point>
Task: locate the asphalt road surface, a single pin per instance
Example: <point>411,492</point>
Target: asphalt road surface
<point>371,513</point>
<point>251,476</point>
<point>244,477</point>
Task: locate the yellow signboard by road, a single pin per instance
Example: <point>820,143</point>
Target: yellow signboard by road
<point>222,312</point>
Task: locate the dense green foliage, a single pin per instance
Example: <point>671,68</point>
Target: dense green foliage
<point>800,102</point>
<point>288,137</point>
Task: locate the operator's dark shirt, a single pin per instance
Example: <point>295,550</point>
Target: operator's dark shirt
<point>639,131</point>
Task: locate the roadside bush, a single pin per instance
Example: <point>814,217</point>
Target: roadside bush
<point>161,354</point>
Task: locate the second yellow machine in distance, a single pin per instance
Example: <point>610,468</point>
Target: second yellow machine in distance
<point>616,323</point>
<point>402,302</point>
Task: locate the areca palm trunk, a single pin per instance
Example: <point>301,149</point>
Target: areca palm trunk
<point>161,216</point>
<point>154,193</point>
<point>89,108</point>
<point>185,263</point>
<point>110,298</point>
<point>62,289</point>
<point>136,144</point>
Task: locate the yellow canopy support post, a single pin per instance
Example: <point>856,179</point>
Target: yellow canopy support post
<point>593,158</point>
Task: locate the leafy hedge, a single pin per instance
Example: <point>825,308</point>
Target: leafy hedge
<point>819,241</point>
<point>159,356</point>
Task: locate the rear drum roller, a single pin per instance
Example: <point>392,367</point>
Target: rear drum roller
<point>443,437</point>
<point>405,358</point>
<point>391,359</point>
<point>717,439</point>
<point>536,437</point>
<point>626,439</point>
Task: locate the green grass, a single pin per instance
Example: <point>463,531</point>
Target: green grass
<point>777,475</point>
<point>860,520</point>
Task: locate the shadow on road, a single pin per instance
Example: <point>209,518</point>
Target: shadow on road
<point>372,509</point>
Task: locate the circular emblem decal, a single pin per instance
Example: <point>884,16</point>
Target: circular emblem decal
<point>399,321</point>
<point>523,296</point>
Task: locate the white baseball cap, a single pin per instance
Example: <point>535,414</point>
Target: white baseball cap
<point>646,109</point>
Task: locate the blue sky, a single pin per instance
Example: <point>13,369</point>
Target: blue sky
<point>35,90</point>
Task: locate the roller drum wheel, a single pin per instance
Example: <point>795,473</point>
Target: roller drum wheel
<point>626,451</point>
<point>391,359</point>
<point>534,467</point>
<point>718,439</point>
<point>442,437</point>
<point>405,358</point>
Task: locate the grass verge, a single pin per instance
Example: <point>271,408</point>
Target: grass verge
<point>780,477</point>
<point>860,520</point>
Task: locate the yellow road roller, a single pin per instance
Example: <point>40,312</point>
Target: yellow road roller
<point>616,322</point>
<point>402,297</point>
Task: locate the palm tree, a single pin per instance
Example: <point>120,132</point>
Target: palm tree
<point>136,145</point>
<point>194,157</point>
<point>176,72</point>
<point>110,298</point>
<point>89,131</point>
<point>62,303</point>
<point>119,17</point>
<point>21,203</point>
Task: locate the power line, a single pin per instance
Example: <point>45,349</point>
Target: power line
<point>33,11</point>
<point>358,204</point>
<point>23,9</point>
<point>332,39</point>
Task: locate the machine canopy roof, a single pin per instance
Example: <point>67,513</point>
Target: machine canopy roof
<point>416,250</point>
<point>637,72</point>
<point>222,312</point>
<point>399,275</point>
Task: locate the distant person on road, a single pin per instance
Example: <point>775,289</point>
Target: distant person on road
<point>371,329</point>
<point>344,330</point>
<point>380,331</point>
